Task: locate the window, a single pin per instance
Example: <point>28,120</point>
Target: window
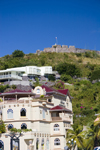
<point>56,141</point>
<point>10,126</point>
<point>56,127</point>
<point>1,145</point>
<point>23,112</point>
<point>42,144</point>
<point>23,126</point>
<point>10,114</point>
<point>43,114</point>
<point>49,100</point>
<point>38,91</point>
<point>47,144</point>
<point>37,144</point>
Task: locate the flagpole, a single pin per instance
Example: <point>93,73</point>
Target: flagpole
<point>56,40</point>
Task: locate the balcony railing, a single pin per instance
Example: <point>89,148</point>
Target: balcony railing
<point>56,118</point>
<point>10,76</point>
<point>61,118</point>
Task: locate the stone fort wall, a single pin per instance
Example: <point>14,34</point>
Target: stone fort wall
<point>64,49</point>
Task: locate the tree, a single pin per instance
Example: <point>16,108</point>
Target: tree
<point>76,135</point>
<point>2,127</point>
<point>65,77</point>
<point>68,69</point>
<point>95,75</point>
<point>18,53</point>
<point>51,77</point>
<point>92,135</point>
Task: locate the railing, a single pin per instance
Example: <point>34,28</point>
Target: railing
<point>56,118</point>
<point>61,118</point>
<point>9,76</point>
<point>48,72</point>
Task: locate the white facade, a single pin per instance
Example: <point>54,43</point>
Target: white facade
<point>48,117</point>
<point>18,72</point>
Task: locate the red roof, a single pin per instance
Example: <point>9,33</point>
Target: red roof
<point>63,91</point>
<point>59,108</point>
<point>49,89</point>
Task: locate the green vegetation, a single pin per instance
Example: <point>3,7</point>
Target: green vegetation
<point>18,53</point>
<point>51,77</point>
<point>6,87</point>
<point>68,69</point>
<point>2,127</point>
<point>87,139</point>
<point>14,130</point>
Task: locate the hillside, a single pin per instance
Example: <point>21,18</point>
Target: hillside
<point>86,96</point>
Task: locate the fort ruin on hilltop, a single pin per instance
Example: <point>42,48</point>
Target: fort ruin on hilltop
<point>65,49</point>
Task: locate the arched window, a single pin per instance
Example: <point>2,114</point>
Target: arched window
<point>42,143</point>
<point>49,100</point>
<point>1,145</point>
<point>37,144</point>
<point>10,126</point>
<point>38,91</point>
<point>56,127</point>
<point>47,144</point>
<point>23,126</point>
<point>23,112</point>
<point>56,141</point>
<point>10,114</point>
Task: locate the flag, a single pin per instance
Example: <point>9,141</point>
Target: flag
<point>55,37</point>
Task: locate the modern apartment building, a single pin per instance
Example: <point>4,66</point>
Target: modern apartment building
<point>29,71</point>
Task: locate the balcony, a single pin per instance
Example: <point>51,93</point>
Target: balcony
<point>61,116</point>
<point>56,118</point>
<point>48,72</point>
<point>10,76</point>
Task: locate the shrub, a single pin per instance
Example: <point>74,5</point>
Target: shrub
<point>65,77</point>
<point>68,69</point>
<point>88,54</point>
<point>42,96</point>
<point>95,75</point>
<point>2,127</point>
<point>78,54</point>
<point>14,86</point>
<point>51,77</point>
<point>60,85</point>
<point>76,88</point>
<point>80,60</point>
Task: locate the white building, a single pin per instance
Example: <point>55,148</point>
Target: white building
<point>48,116</point>
<point>29,71</point>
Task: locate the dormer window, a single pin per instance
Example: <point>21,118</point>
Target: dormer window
<point>38,91</point>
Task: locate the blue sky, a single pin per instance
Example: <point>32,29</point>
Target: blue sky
<point>29,25</point>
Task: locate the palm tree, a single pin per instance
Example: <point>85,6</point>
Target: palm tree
<point>77,135</point>
<point>92,135</point>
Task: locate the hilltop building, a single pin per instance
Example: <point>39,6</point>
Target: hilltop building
<point>48,116</point>
<point>64,49</point>
<point>19,73</point>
